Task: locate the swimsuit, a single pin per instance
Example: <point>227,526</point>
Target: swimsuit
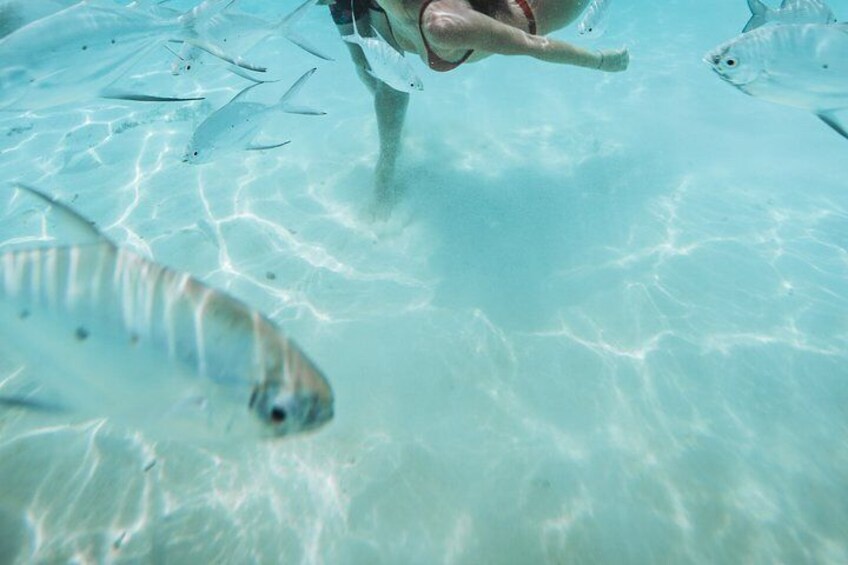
<point>438,64</point>
<point>344,12</point>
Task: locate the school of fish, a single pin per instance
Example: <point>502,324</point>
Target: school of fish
<point>114,335</point>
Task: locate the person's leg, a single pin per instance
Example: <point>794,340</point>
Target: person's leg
<point>390,107</point>
<point>389,104</point>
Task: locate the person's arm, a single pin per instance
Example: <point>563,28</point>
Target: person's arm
<point>472,30</point>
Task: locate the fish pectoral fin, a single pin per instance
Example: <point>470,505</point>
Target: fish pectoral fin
<point>31,404</point>
<point>303,110</point>
<point>302,42</point>
<point>216,51</point>
<point>832,120</point>
<point>135,97</point>
<point>73,227</point>
<point>265,147</point>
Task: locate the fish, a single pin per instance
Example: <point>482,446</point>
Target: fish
<point>112,335</point>
<point>385,63</point>
<point>235,125</point>
<point>800,65</point>
<point>593,23</point>
<point>789,12</point>
<point>15,14</point>
<point>78,53</point>
<point>243,32</point>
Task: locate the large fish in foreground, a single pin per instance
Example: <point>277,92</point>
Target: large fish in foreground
<point>805,66</point>
<point>789,12</point>
<point>235,126</point>
<point>110,334</point>
<point>77,53</point>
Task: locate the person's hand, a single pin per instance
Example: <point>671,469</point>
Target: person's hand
<point>613,60</point>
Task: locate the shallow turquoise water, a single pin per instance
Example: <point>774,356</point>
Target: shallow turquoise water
<point>607,323</point>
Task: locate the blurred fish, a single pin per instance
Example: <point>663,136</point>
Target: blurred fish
<point>235,125</point>
<point>385,63</point>
<point>593,23</point>
<point>242,32</point>
<point>110,334</point>
<point>79,52</point>
<point>805,66</point>
<point>15,14</point>
<point>789,12</point>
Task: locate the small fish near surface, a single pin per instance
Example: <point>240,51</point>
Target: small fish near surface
<point>385,63</point>
<point>235,125</point>
<point>243,32</point>
<point>593,23</point>
<point>789,12</point>
<point>78,53</point>
<point>109,334</point>
<point>804,66</point>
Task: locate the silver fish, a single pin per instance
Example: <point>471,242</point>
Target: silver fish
<point>110,334</point>
<point>79,52</point>
<point>805,66</point>
<point>235,125</point>
<point>385,63</point>
<point>15,14</point>
<point>593,23</point>
<point>242,32</point>
<point>789,12</point>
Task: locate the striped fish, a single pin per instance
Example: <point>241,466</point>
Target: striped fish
<point>111,334</point>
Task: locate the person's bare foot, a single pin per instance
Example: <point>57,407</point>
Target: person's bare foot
<point>386,191</point>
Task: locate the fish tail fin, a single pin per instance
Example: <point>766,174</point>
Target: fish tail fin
<point>30,404</point>
<point>832,120</point>
<point>293,17</point>
<point>239,72</point>
<point>285,100</point>
<point>284,27</point>
<point>758,15</point>
<point>78,225</point>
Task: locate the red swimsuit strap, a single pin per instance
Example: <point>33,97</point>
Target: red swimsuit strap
<point>434,61</point>
<point>528,13</point>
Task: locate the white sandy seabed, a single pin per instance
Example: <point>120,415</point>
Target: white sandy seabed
<point>608,322</point>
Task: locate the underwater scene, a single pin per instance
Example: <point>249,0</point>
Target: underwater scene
<point>589,305</point>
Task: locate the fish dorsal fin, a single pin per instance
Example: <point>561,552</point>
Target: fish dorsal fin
<point>284,26</point>
<point>758,15</point>
<point>294,16</point>
<point>243,92</point>
<point>285,99</point>
<point>758,8</point>
<point>831,119</point>
<point>70,226</point>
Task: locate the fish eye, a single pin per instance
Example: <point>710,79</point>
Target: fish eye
<point>195,153</point>
<point>188,67</point>
<point>730,62</point>
<point>278,415</point>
